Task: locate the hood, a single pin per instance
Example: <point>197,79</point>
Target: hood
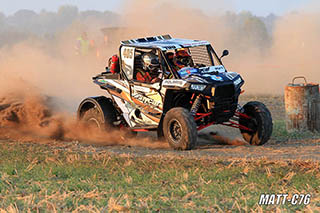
<point>208,75</point>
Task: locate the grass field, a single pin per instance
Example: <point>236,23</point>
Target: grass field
<point>68,176</point>
<point>45,177</point>
<point>275,104</point>
<point>281,134</point>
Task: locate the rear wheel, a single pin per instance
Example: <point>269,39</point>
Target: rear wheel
<point>260,122</point>
<point>98,113</point>
<point>180,129</point>
<point>93,118</point>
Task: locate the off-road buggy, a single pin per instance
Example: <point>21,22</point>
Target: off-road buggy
<point>179,105</point>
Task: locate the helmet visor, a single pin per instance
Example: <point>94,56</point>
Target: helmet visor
<point>184,60</point>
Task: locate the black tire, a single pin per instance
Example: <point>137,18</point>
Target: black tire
<point>101,120</point>
<point>92,119</point>
<point>160,134</point>
<point>96,120</point>
<point>180,129</point>
<point>261,123</point>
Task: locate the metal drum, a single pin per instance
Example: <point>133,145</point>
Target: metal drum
<point>302,103</point>
<point>317,113</point>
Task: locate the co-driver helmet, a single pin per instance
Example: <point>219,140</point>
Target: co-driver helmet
<point>150,61</point>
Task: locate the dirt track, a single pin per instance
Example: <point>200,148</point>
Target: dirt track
<point>216,147</point>
<point>287,151</point>
<point>226,143</point>
<point>208,147</point>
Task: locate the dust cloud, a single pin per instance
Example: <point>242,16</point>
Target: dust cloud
<point>27,116</point>
<point>266,60</point>
<point>42,81</point>
<point>41,86</point>
<point>294,52</point>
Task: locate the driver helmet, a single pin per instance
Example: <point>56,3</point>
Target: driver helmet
<point>150,62</point>
<point>182,59</point>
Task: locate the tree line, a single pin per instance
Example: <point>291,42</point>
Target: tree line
<point>23,24</point>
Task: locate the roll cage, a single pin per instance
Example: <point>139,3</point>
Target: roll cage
<point>163,59</point>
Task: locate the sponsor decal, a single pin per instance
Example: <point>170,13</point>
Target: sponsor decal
<point>169,47</point>
<point>199,79</point>
<point>125,108</point>
<point>127,56</point>
<point>128,53</point>
<point>238,81</point>
<point>174,82</point>
<point>118,84</point>
<point>205,70</point>
<point>216,78</point>
<point>146,100</point>
<point>211,69</point>
<point>141,89</point>
<point>220,68</point>
<point>195,44</point>
<point>231,75</point>
<point>187,71</point>
<point>102,80</point>
<point>206,75</point>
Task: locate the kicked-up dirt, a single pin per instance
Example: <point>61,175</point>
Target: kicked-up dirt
<point>226,144</point>
<point>31,120</point>
<point>209,146</point>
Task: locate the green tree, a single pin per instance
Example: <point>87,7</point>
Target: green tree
<point>252,32</point>
<point>2,21</point>
<point>256,31</point>
<point>68,12</point>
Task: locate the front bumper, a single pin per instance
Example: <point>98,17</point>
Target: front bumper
<point>223,103</point>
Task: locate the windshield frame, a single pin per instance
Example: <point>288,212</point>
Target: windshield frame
<point>210,51</point>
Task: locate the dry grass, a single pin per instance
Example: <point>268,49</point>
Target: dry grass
<point>58,177</point>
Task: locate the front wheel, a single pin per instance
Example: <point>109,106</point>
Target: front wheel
<point>180,129</point>
<point>260,123</point>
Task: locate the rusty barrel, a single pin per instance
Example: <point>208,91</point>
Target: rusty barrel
<point>302,106</point>
<point>317,113</point>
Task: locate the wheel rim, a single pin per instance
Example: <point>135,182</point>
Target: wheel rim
<point>175,130</point>
<point>93,123</point>
<point>250,136</point>
<point>251,123</point>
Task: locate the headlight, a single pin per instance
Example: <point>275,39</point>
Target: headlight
<point>237,82</point>
<point>199,87</point>
<point>213,89</point>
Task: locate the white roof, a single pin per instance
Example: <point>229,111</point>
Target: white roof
<point>164,42</point>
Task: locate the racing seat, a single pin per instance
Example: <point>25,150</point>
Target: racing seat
<point>170,56</point>
<point>137,65</point>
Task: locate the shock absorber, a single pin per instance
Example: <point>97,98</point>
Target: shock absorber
<point>196,104</point>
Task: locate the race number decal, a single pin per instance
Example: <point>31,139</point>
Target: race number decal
<point>128,52</point>
<point>127,58</point>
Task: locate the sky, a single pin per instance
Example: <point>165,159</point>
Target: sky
<point>257,7</point>
<point>265,7</point>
